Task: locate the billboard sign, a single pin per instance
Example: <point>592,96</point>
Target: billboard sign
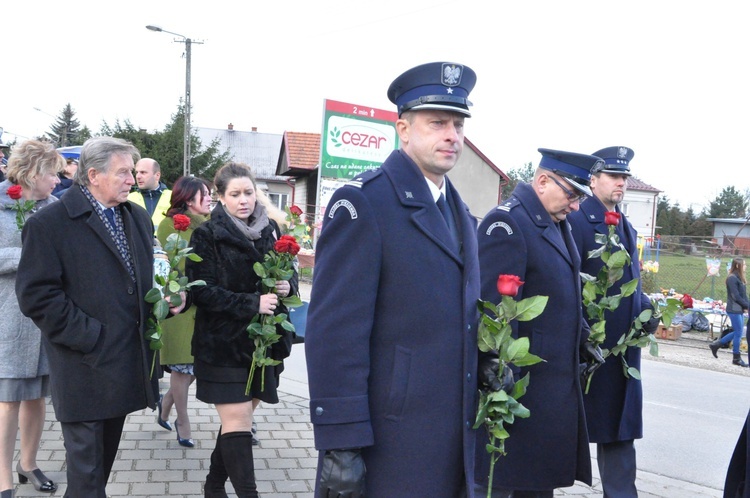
<point>355,139</point>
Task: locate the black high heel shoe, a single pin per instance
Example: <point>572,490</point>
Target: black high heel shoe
<point>163,423</point>
<point>188,443</point>
<point>8,493</point>
<point>40,481</point>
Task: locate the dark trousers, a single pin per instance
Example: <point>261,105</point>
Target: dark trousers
<point>617,469</point>
<point>90,451</point>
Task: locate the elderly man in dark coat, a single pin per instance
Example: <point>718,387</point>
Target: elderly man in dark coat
<point>528,236</point>
<point>614,403</point>
<point>391,341</point>
<point>86,266</point>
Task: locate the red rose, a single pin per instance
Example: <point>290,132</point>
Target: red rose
<point>612,218</point>
<point>288,244</point>
<point>15,192</point>
<point>181,222</point>
<point>507,285</point>
<point>295,210</point>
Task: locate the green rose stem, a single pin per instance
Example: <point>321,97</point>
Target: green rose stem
<point>596,301</point>
<point>497,408</point>
<point>168,289</point>
<point>277,265</point>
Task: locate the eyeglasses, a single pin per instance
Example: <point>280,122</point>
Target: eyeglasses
<point>572,196</point>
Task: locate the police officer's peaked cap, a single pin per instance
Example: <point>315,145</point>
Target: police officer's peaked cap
<point>575,168</point>
<point>616,160</point>
<point>437,85</point>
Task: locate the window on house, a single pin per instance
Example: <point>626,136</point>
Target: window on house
<point>279,200</point>
<point>624,208</point>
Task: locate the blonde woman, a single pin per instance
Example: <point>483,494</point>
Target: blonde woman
<point>24,370</point>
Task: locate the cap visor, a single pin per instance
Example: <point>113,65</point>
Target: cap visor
<point>616,172</point>
<point>580,187</point>
<point>439,107</point>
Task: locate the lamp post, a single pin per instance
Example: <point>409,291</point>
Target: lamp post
<point>186,138</point>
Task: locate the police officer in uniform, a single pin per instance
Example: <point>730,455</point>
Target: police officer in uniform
<point>528,235</point>
<point>391,342</point>
<point>614,403</point>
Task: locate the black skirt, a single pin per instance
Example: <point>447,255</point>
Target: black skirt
<point>218,385</point>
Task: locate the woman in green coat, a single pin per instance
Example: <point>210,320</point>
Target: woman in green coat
<point>190,197</point>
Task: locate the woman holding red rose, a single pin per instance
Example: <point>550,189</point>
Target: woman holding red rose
<point>239,234</point>
<point>190,206</point>
<point>24,369</point>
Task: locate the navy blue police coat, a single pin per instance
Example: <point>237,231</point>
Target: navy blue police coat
<point>550,448</point>
<point>614,403</point>
<point>391,342</point>
<point>737,481</point>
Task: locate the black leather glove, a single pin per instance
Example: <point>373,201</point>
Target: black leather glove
<point>489,375</point>
<point>650,326</point>
<point>342,474</point>
<point>653,323</point>
<point>592,355</point>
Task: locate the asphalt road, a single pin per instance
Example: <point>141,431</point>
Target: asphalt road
<point>692,419</point>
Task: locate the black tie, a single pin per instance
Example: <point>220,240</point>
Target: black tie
<point>110,214</point>
<point>445,210</point>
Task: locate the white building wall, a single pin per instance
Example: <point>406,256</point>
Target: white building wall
<point>640,208</point>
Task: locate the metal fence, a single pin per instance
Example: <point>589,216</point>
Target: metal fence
<point>687,265</point>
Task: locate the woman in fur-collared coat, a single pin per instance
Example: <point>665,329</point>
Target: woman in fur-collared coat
<point>238,235</point>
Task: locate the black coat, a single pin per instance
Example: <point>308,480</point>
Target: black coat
<point>614,403</point>
<point>74,284</point>
<point>231,296</point>
<point>551,448</point>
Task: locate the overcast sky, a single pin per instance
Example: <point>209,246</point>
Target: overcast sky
<point>667,78</point>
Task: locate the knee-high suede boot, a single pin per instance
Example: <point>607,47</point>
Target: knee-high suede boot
<point>217,474</point>
<point>237,453</point>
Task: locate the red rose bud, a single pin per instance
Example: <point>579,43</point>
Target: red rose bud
<point>295,210</point>
<point>507,285</point>
<point>612,218</point>
<point>15,192</point>
<point>181,222</point>
<point>287,244</point>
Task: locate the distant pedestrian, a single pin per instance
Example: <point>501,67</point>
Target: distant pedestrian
<point>737,306</point>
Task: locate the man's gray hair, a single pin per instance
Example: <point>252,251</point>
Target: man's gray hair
<point>97,152</point>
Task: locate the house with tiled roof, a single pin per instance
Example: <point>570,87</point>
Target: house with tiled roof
<point>477,179</point>
<point>639,205</point>
<point>299,158</point>
<point>260,151</point>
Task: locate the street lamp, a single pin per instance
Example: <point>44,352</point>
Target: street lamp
<point>186,138</point>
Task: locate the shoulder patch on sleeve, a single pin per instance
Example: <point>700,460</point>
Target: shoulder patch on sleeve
<point>343,203</point>
<point>499,224</point>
